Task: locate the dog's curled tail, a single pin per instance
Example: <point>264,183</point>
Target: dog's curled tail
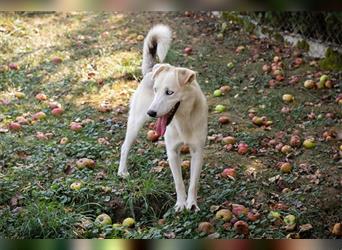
<point>157,42</point>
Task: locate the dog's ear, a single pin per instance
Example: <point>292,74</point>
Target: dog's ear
<point>158,68</point>
<point>185,76</point>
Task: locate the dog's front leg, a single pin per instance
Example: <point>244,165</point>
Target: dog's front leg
<point>195,172</point>
<point>175,165</point>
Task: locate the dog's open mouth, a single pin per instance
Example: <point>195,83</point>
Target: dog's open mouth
<point>165,120</point>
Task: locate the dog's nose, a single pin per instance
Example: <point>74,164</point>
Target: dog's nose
<point>152,113</point>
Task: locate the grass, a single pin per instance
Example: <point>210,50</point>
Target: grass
<point>101,58</point>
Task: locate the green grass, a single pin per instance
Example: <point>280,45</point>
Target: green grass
<point>36,200</point>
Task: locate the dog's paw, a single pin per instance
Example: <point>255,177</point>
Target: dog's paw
<point>123,174</point>
<point>192,205</point>
<point>180,206</point>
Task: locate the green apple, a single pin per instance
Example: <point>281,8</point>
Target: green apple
<point>128,222</point>
<point>274,215</point>
<point>309,144</point>
<point>103,219</point>
<point>323,78</point>
<point>76,185</point>
<point>230,65</point>
<point>217,93</point>
<point>220,108</point>
<point>290,219</point>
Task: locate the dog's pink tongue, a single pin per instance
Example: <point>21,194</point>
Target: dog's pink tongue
<point>161,125</point>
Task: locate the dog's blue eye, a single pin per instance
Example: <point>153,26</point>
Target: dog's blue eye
<point>169,92</point>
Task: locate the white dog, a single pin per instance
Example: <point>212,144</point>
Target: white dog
<point>173,96</point>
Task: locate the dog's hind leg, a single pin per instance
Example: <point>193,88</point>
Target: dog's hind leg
<point>137,117</point>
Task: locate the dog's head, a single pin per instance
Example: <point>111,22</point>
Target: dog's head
<point>168,88</point>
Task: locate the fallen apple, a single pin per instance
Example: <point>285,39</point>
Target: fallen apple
<point>220,108</point>
<point>224,120</point>
<point>14,126</point>
<point>323,78</point>
<point>41,97</point>
<point>53,105</point>
<point>185,149</point>
<point>298,61</point>
<point>128,222</point>
<point>225,89</point>
<point>309,143</point>
<point>229,140</point>
<point>253,216</point>
<point>187,51</point>
<point>295,141</point>
<point>217,93</point>
<point>185,164</point>
<point>280,78</point>
<point>276,59</point>
<point>224,215</point>
<point>41,136</point>
<point>239,210</point>
<point>76,185</point>
<point>239,49</point>
<point>320,85</point>
<point>286,149</point>
<point>56,60</point>
<point>242,148</point>
<point>288,98</point>
<point>230,65</point>
<point>19,95</point>
<point>309,84</point>
<point>286,167</point>
<point>206,227</point>
<point>328,84</point>
<point>75,126</point>
<point>85,163</point>
<point>272,83</point>
<point>64,140</point>
<point>39,116</point>
<point>257,120</point>
<point>140,37</point>
<point>266,68</point>
<point>152,136</point>
<point>13,66</point>
<point>103,220</point>
<point>274,215</point>
<point>290,219</point>
<point>337,229</point>
<point>22,120</point>
<point>241,227</point>
<point>228,172</point>
<point>57,111</point>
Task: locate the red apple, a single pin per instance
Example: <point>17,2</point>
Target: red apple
<point>39,116</point>
<point>242,148</point>
<point>41,97</point>
<point>228,172</point>
<point>241,227</point>
<point>253,216</point>
<point>14,126</point>
<point>224,120</point>
<point>75,126</point>
<point>13,66</point>
<point>57,111</point>
<point>56,60</point>
<point>187,50</point>
<point>239,210</point>
<point>152,135</point>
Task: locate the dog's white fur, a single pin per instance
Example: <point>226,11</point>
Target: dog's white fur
<point>189,124</point>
